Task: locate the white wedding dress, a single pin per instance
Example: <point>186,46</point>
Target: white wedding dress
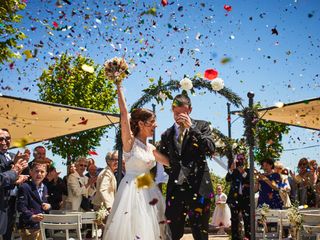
<point>137,213</point>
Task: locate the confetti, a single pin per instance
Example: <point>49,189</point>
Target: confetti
<point>210,74</point>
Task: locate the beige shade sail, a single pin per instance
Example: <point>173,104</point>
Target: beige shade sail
<point>304,114</point>
<point>33,121</point>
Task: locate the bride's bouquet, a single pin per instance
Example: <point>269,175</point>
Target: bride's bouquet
<point>116,69</point>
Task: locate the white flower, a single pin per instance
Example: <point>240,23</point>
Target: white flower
<point>162,96</point>
<point>87,68</point>
<point>279,104</point>
<point>186,84</point>
<point>234,146</point>
<point>219,143</point>
<point>217,84</point>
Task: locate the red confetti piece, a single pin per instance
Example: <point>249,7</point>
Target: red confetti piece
<point>228,8</point>
<point>83,121</point>
<point>153,201</point>
<point>164,2</point>
<point>11,65</point>
<point>210,74</point>
<point>92,152</point>
<point>55,24</point>
<point>33,113</point>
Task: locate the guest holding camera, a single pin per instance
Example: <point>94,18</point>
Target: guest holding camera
<point>239,196</point>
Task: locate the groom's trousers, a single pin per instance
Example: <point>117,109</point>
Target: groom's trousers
<point>182,205</point>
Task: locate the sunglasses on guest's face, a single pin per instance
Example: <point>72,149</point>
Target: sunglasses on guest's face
<point>5,138</point>
<point>83,165</point>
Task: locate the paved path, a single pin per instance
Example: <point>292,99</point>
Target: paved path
<point>211,237</point>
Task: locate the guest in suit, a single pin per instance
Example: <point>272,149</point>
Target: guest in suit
<point>32,203</point>
<point>106,185</point>
<point>239,196</point>
<point>189,189</point>
<point>39,155</point>
<point>7,160</point>
<point>56,188</point>
<point>79,185</point>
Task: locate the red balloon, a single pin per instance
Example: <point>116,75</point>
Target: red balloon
<point>164,2</point>
<point>210,74</point>
<point>227,7</point>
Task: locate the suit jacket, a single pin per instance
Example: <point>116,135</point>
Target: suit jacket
<point>29,203</point>
<point>191,159</point>
<point>106,188</point>
<point>5,164</point>
<point>238,180</point>
<point>76,188</point>
<point>7,180</point>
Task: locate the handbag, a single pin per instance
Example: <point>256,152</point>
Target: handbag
<point>86,204</point>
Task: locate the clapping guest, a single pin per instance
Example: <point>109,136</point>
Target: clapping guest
<point>79,185</point>
<point>305,182</point>
<point>106,185</point>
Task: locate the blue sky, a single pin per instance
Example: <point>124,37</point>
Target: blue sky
<point>184,38</point>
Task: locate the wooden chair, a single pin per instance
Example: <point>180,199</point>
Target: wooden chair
<point>64,222</point>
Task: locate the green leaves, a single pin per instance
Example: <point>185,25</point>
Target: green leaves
<point>67,83</point>
<point>10,35</point>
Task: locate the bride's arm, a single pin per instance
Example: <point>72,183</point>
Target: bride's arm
<point>161,158</point>
<point>126,134</point>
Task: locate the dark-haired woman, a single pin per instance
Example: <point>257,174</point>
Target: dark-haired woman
<point>268,186</point>
<point>138,209</point>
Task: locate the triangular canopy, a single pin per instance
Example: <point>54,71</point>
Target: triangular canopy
<point>32,121</point>
<point>304,114</point>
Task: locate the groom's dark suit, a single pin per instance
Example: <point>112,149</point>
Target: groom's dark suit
<point>189,188</point>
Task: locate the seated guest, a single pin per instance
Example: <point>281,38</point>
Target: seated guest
<point>56,188</point>
<point>32,203</point>
<point>106,183</point>
<point>79,185</point>
<point>268,186</point>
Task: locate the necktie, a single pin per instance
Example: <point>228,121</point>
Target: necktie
<point>181,134</point>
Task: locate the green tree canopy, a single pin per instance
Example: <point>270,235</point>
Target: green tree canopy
<point>9,33</point>
<point>77,81</point>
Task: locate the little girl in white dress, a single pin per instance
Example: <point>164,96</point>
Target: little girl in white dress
<point>221,216</point>
<point>138,211</point>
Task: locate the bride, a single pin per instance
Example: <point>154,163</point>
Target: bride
<point>137,212</point>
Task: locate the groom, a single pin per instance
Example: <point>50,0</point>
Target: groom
<point>189,189</point>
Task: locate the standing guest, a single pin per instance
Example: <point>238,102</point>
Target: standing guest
<point>305,183</point>
<point>268,186</point>
<point>7,160</point>
<point>239,196</point>
<point>187,143</point>
<point>221,215</point>
<point>32,203</point>
<point>106,183</point>
<point>91,162</point>
<point>39,155</point>
<point>56,188</point>
<point>79,186</point>
<point>284,186</point>
<point>71,168</point>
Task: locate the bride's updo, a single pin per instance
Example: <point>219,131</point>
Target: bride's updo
<point>139,114</point>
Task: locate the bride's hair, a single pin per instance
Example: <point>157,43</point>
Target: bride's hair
<point>139,114</point>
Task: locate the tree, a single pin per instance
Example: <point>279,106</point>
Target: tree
<point>77,81</point>
<point>9,34</point>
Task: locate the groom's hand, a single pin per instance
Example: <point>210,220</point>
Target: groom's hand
<point>184,120</point>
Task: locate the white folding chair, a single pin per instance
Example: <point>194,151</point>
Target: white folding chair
<point>310,223</point>
<point>64,222</point>
<point>89,218</point>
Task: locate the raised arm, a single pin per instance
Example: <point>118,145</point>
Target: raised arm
<point>126,134</point>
